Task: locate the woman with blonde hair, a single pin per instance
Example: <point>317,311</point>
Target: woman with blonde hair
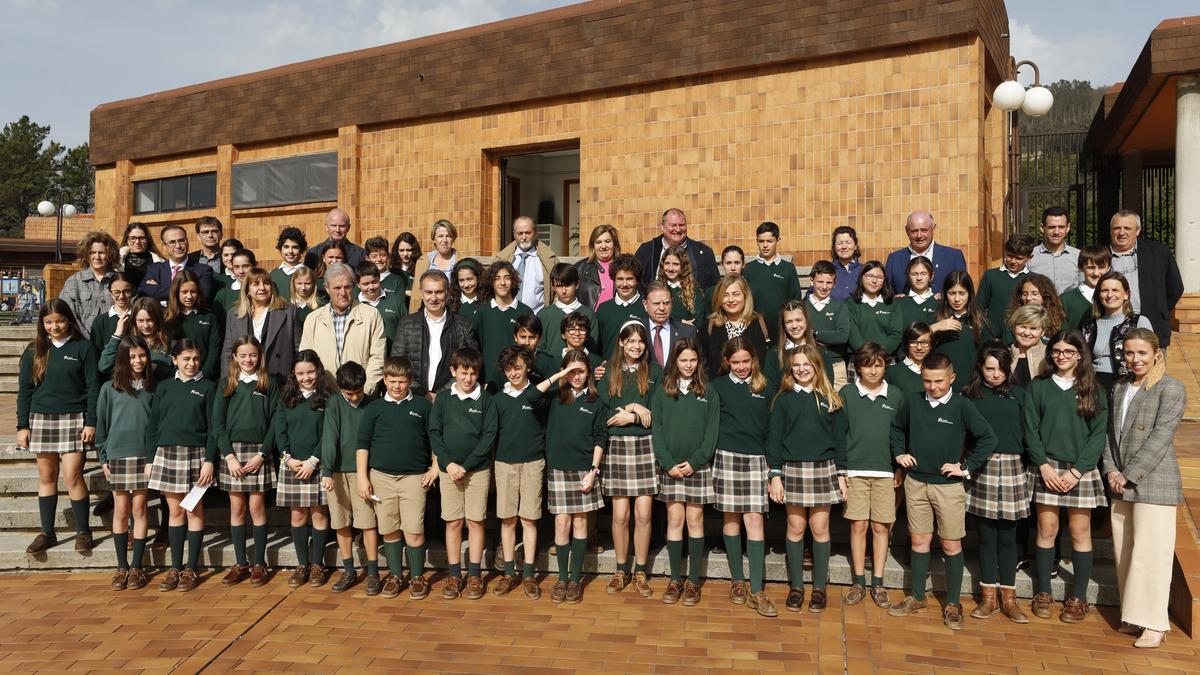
<point>442,258</point>
<point>262,313</point>
<point>1027,325</point>
<point>732,315</point>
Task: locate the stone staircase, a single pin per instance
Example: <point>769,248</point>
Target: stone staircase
<point>13,340</point>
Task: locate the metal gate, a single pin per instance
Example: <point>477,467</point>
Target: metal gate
<point>1158,204</point>
<point>1050,175</point>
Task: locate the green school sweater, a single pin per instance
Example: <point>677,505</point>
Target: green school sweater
<point>610,317</point>
<point>396,286</point>
<point>685,429</point>
<point>297,431</point>
<point>391,308</point>
<point>160,362</point>
<point>771,286</point>
<point>1006,416</point>
<point>468,310</point>
<point>1054,430</point>
<point>545,364</point>
<point>227,299</point>
<point>904,378</point>
<point>495,328</point>
<point>283,283</point>
<point>831,326</point>
<point>679,309</point>
<point>463,431</point>
<point>103,328</point>
<point>911,312</point>
<point>775,363</point>
<point>996,289</point>
<point>121,421</point>
<point>522,433</point>
<point>394,435</point>
<point>208,330</point>
<point>744,417</point>
<point>573,431</point>
<point>802,429</point>
<point>868,427</point>
<point>629,394</point>
<point>960,347</point>
<point>1077,307</point>
<point>879,324</point>
<point>339,434</point>
<point>243,417</point>
<point>552,317</point>
<point>302,312</point>
<point>180,415</point>
<point>937,436</point>
<point>70,383</point>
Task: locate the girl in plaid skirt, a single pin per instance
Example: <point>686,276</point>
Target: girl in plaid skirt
<point>806,450</point>
<point>998,496</point>
<point>241,420</point>
<point>56,417</point>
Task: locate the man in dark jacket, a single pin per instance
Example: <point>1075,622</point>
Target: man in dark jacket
<point>1155,284</point>
<point>674,233</point>
<point>428,337</point>
<point>337,225</point>
<point>157,282</point>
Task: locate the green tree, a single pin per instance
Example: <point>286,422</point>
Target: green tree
<point>28,163</point>
<point>77,177</point>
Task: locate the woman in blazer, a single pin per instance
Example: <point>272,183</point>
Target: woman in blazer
<point>1143,475</point>
<point>262,313</point>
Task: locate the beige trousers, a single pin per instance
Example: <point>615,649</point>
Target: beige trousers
<point>1144,545</point>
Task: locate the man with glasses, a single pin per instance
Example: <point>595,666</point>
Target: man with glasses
<point>209,230</point>
<point>157,282</point>
<point>663,331</point>
<point>1155,284</point>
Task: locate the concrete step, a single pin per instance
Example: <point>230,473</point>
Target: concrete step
<point>9,384</point>
<point>20,514</point>
<point>218,553</point>
<point>11,348</point>
<point>22,479</point>
<point>25,331</point>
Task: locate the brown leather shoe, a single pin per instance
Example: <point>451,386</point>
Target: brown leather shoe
<point>617,582</point>
<point>531,589</point>
<point>738,592</point>
<point>136,579</point>
<point>41,543</point>
<point>258,576</point>
<point>84,542</point>
<point>879,596</point>
<point>816,603</point>
<point>317,575</point>
<point>674,590</point>
<point>344,582</point>
<point>691,594</point>
<point>418,587</point>
<point>1042,605</point>
<point>235,575</point>
<point>795,600</point>
<point>188,579</point>
<point>120,580</point>
<point>1009,606</point>
<point>503,585</point>
<point>574,593</point>
<point>392,586</point>
<point>170,580</point>
<point>161,540</point>
<point>452,588</point>
<point>474,588</point>
<point>987,602</point>
<point>1074,610</point>
<point>641,584</point>
<point>374,585</point>
<point>299,576</point>
<point>762,604</point>
<point>856,594</point>
<point>909,605</point>
<point>952,617</point>
<point>559,593</point>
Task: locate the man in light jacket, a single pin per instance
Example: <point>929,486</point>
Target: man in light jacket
<point>344,331</point>
<point>533,261</point>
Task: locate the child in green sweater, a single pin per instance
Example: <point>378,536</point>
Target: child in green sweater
<point>105,323</point>
<point>188,316</point>
<point>916,344</point>
<point>372,293</point>
<point>339,480</point>
<point>1095,261</point>
<point>462,432</point>
<point>918,304</point>
<point>240,263</point>
<point>794,329</point>
<point>871,479</point>
<point>960,323</point>
<point>874,317</point>
<point>687,301</point>
<point>496,318</point>
<point>625,305</point>
<point>292,245</point>
<point>830,319</point>
<point>806,450</point>
<point>145,318</point>
<point>773,280</point>
<point>466,289</point>
<point>565,280</point>
<point>998,284</point>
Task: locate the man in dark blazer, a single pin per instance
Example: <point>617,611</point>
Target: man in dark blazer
<point>157,282</point>
<point>414,341</point>
<point>337,225</point>
<point>662,330</point>
<point>920,229</point>
<point>1155,284</point>
<point>674,233</point>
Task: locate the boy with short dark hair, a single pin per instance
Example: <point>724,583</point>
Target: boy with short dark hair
<point>997,285</point>
<point>390,306</point>
<point>240,263</point>
<point>462,430</point>
<point>773,280</point>
<point>565,280</point>
<point>379,255</point>
<point>625,305</point>
<point>1094,262</point>
<point>828,319</point>
<point>291,245</point>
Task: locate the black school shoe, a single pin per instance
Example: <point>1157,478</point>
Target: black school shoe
<point>374,585</point>
<point>344,582</point>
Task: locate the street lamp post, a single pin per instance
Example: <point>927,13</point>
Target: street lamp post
<point>1012,96</point>
<point>63,210</point>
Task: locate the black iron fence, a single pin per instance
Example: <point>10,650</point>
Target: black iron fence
<point>1050,175</point>
<point>1158,204</point>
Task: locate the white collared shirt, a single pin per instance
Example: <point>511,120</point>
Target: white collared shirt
<point>1063,383</point>
<point>464,300</point>
<point>737,380</point>
<point>567,349</point>
<point>373,303</point>
<point>353,404</point>
<point>475,394</point>
<point>513,391</point>
<point>912,365</point>
<point>496,305</point>
<point>871,302</point>
<point>1087,291</point>
<point>567,309</point>
<point>283,267</point>
<point>1013,275</point>
<point>920,299</point>
<point>389,399</point>
<point>112,311</point>
<point>435,326</point>
<point>198,376</point>
<point>935,402</point>
<point>138,384</point>
<point>927,253</point>
<point>684,385</point>
<point>625,303</point>
<point>819,305</point>
<point>872,395</point>
<point>308,393</point>
<point>59,343</point>
<point>798,388</point>
<point>248,378</point>
<point>773,261</point>
<point>664,331</point>
<point>1130,392</point>
<point>236,285</point>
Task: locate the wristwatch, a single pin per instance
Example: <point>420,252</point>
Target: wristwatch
<point>596,470</point>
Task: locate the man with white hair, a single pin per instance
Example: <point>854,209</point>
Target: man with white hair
<point>920,229</point>
<point>344,331</point>
<point>532,261</point>
<point>1155,284</point>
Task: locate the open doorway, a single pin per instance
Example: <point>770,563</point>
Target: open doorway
<point>542,185</point>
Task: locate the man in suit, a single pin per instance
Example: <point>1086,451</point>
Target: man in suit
<point>209,230</point>
<point>337,225</point>
<point>533,262</point>
<point>429,336</point>
<point>674,233</point>
<point>920,229</point>
<point>157,282</point>
<point>664,331</point>
<point>1155,284</point>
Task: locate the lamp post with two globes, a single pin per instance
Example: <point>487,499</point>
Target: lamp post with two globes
<point>1011,96</point>
<point>62,209</point>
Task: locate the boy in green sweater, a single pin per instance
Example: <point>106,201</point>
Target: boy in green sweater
<point>565,279</point>
<point>997,285</point>
<point>462,430</point>
<point>371,292</point>
<point>625,305</point>
<point>772,279</point>
<point>928,435</point>
<point>395,469</point>
<point>871,478</point>
<point>496,319</point>
<point>828,319</point>
<point>241,262</point>
<point>1094,262</point>
<point>292,245</point>
<point>339,468</point>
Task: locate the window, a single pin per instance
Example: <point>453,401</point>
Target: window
<point>290,180</point>
<point>177,193</point>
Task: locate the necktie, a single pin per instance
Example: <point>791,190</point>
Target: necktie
<point>175,270</point>
<point>658,345</point>
<point>521,266</point>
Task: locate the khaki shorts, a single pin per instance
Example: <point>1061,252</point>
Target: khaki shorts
<point>346,508</point>
<point>839,378</point>
<point>468,498</point>
<point>870,498</point>
<point>519,489</point>
<point>401,504</point>
<point>946,503</point>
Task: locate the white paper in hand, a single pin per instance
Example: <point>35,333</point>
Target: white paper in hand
<point>193,498</point>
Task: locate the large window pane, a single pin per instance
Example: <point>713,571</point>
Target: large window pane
<point>173,194</point>
<point>177,193</point>
<point>288,180</point>
<point>145,197</point>
<point>202,191</point>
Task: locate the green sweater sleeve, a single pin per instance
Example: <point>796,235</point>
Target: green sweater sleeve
<point>899,432</point>
<point>893,330</point>
<point>1033,423</point>
<point>108,357</point>
<point>1097,434</point>
<point>777,426</point>
<point>91,379</point>
<point>840,447</point>
<point>25,388</point>
<point>482,452</point>
<point>436,442</point>
<point>212,350</point>
<point>210,454</point>
<point>103,403</point>
<point>704,453</point>
<point>330,429</point>
<point>658,411</point>
<point>366,428</point>
<point>985,438</point>
<point>218,428</point>
<point>152,425</point>
<point>600,427</point>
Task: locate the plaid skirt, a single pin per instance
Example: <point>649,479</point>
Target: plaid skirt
<point>1088,494</point>
<point>176,468</point>
<point>259,481</point>
<point>563,495</point>
<point>291,491</point>
<point>1001,489</point>
<point>629,467</point>
<point>695,489</point>
<point>55,432</point>
<point>740,482</point>
<point>810,483</point>
<point>126,474</point>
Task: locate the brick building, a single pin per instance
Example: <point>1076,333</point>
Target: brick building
<point>812,114</point>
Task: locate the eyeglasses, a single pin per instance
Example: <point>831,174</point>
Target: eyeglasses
<point>920,343</point>
<point>576,330</point>
<point>121,292</point>
<point>135,238</point>
<point>176,242</point>
<point>1064,353</point>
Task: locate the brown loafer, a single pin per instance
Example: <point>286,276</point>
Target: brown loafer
<point>559,593</point>
<point>258,575</point>
<point>795,600</point>
<point>952,617</point>
<point>641,584</point>
<point>617,582</point>
<point>84,542</point>
<point>880,597</point>
<point>418,587</point>
<point>120,580</point>
<point>317,575</point>
<point>691,594</point>
<point>762,604</point>
<point>816,603</point>
<point>170,580</point>
<point>1042,605</point>
<point>136,579</point>
<point>392,586</point>
<point>531,589</point>
<point>503,585</point>
<point>41,543</point>
<point>856,594</point>
<point>344,582</point>
<point>235,575</point>
<point>452,588</point>
<point>188,579</point>
<point>1074,610</point>
<point>738,591</point>
<point>299,576</point>
<point>674,590</point>
<point>474,588</point>
<point>909,605</point>
<point>574,593</point>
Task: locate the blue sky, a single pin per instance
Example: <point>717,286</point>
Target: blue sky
<point>61,58</point>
